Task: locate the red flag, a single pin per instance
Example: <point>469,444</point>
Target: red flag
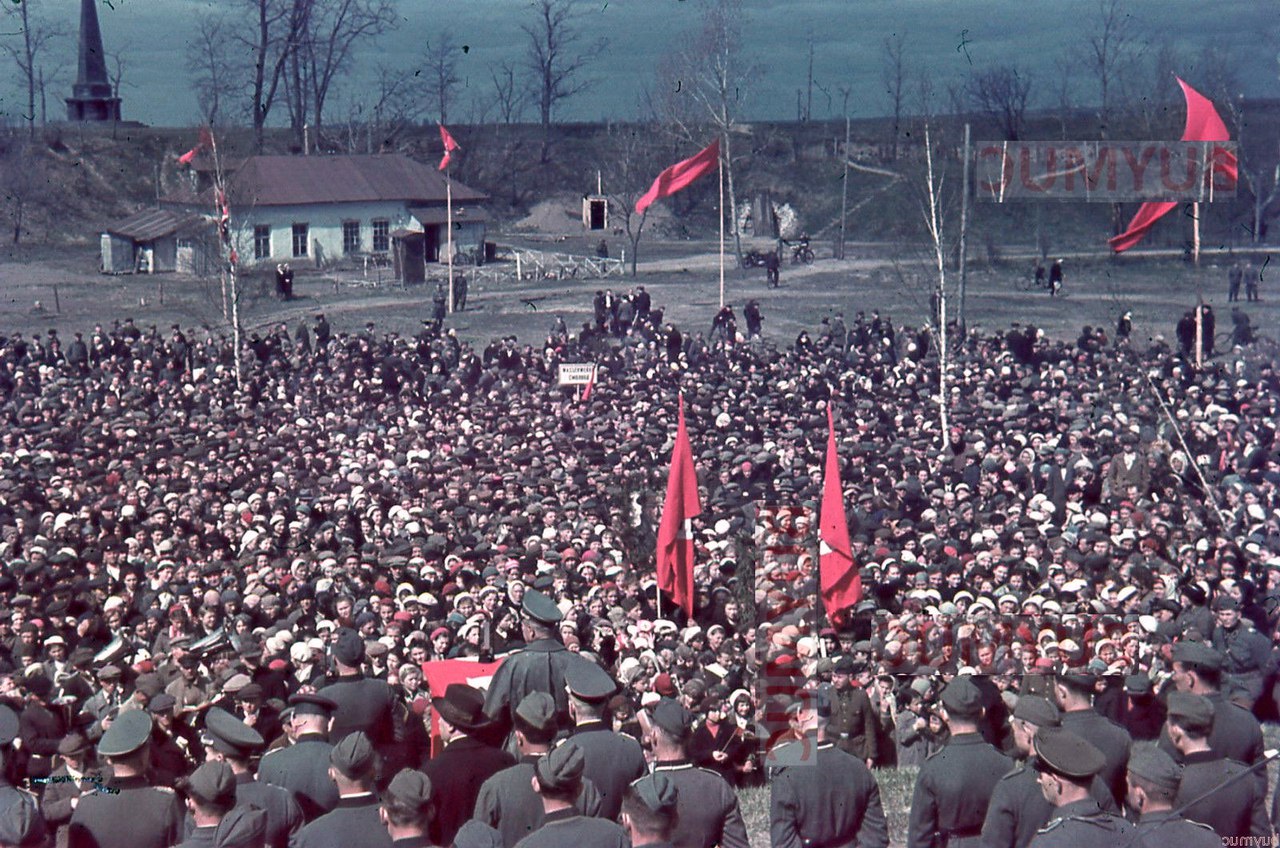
<point>586,388</point>
<point>1203,124</point>
<point>679,175</point>
<point>440,673</point>
<point>449,146</point>
<point>841,583</point>
<point>206,140</point>
<point>675,532</point>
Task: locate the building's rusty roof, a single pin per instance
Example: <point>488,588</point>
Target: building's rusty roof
<point>151,224</point>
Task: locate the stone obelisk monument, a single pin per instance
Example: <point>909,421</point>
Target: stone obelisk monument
<point>92,98</point>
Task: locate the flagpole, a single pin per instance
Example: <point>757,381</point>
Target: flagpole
<point>448,201</point>
<point>720,163</point>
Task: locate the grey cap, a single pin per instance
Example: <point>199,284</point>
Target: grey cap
<point>354,755</point>
<point>657,791</point>
<point>127,733</point>
<point>561,768</point>
<point>1038,711</point>
<point>411,788</point>
<point>244,827</point>
<point>214,782</point>
<point>1155,766</point>
<point>671,716</point>
<point>537,711</point>
<point>540,608</point>
<point>477,834</point>
<point>1066,753</point>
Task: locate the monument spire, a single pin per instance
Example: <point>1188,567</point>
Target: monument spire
<point>92,98</point>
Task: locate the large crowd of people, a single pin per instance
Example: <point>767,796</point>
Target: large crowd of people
<point>200,571</point>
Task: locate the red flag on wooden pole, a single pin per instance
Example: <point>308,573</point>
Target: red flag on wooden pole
<point>1203,124</point>
<point>838,574</point>
<point>680,175</point>
<point>449,146</point>
<point>675,532</point>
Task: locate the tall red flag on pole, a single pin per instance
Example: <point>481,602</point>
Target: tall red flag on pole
<point>841,583</point>
<point>1203,124</point>
<point>449,146</point>
<point>675,532</point>
<point>680,175</point>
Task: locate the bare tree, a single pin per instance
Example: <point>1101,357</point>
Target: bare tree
<point>381,125</point>
<point>24,182</point>
<point>330,34</point>
<point>441,72</point>
<point>1002,93</point>
<point>277,30</point>
<point>628,171</point>
<point>27,37</point>
<point>701,86</point>
<point>214,68</point>
<point>1110,51</point>
<point>894,75</point>
<point>557,58</point>
<point>509,96</point>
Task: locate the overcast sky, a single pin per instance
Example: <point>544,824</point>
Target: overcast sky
<point>946,39</point>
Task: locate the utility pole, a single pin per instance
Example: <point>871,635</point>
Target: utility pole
<point>964,232</point>
<point>844,181</point>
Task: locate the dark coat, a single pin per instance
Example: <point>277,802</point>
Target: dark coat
<point>853,723</point>
<point>707,808</point>
<point>1233,811</point>
<point>953,791</point>
<point>508,803</point>
<point>1082,825</point>
<point>833,800</point>
<point>303,769</point>
<point>284,815</point>
<point>1019,809</point>
<point>539,667</point>
<point>456,777</point>
<point>613,761</point>
<point>140,816</point>
<point>570,828</point>
<point>1109,738</point>
<point>1168,829</point>
<point>353,822</point>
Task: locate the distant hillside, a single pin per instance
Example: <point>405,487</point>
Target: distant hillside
<point>74,180</point>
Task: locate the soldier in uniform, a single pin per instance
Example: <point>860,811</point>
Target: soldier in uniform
<point>507,801</point>
<point>955,784</point>
<point>210,794</point>
<point>1018,807</point>
<point>708,812</point>
<point>614,760</point>
<point>649,811</point>
<point>1066,765</point>
<point>353,767</point>
<point>827,797</point>
<point>364,703</point>
<point>540,667</point>
<point>1209,792</point>
<point>231,741</point>
<point>12,797</point>
<point>467,761</point>
<point>1236,734</point>
<point>557,777</point>
<point>1246,653</point>
<point>1074,692</point>
<point>20,826</point>
<point>127,812</point>
<point>303,767</point>
<point>853,722</point>
<point>1153,784</point>
<point>407,810</point>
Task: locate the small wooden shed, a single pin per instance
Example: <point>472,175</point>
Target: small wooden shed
<point>154,241</point>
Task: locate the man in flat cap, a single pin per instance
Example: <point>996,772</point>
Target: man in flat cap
<point>853,726</point>
<point>467,761</point>
<point>539,667</point>
<point>407,809</point>
<point>231,741</point>
<point>614,759</point>
<point>1153,785</point>
<point>956,783</point>
<point>1247,661</point>
<point>364,703</point>
<point>127,812</point>
<point>507,801</point>
<point>649,809</point>
<point>829,796</point>
<point>557,778</point>
<point>1074,694</point>
<point>210,794</point>
<point>1018,807</point>
<point>1234,808</point>
<point>76,775</point>
<point>1236,733</point>
<point>1066,765</point>
<point>353,767</point>
<point>708,812</point>
<point>303,767</point>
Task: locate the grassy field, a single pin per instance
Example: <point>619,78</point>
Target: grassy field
<point>60,288</point>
